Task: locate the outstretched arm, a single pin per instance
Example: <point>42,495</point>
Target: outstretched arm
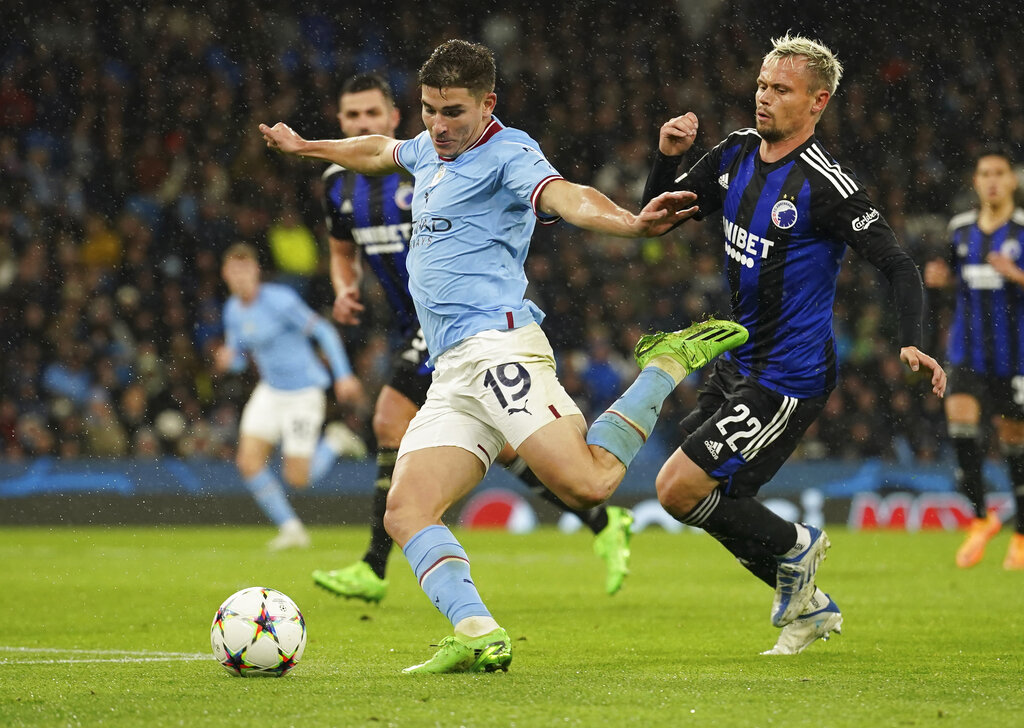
<point>371,154</point>
<point>589,209</point>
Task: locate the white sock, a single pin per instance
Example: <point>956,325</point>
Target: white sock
<point>803,540</point>
<point>473,627</point>
<point>292,525</point>
<point>818,601</point>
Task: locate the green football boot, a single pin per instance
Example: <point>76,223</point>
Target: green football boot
<point>356,581</point>
<point>492,651</point>
<point>694,346</point>
<point>612,545</point>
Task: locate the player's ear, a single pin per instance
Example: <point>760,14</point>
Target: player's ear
<point>490,101</point>
<point>820,101</point>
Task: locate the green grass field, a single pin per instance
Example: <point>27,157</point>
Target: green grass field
<point>111,627</point>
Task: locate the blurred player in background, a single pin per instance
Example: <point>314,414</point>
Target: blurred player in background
<point>789,211</point>
<point>985,349</point>
<point>273,325</point>
<point>480,188</point>
<point>371,218</point>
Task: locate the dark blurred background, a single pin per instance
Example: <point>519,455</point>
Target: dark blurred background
<point>130,159</point>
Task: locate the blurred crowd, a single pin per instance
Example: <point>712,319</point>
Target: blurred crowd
<point>129,160</point>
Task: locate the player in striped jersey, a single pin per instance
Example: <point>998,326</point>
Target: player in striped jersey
<point>788,211</point>
<point>985,350</point>
<point>370,218</point>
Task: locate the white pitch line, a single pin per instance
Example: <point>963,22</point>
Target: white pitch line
<point>72,661</point>
<point>116,656</point>
<point>73,651</point>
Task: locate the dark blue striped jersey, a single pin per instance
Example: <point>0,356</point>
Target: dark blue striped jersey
<point>375,213</point>
<point>987,333</point>
<point>786,226</point>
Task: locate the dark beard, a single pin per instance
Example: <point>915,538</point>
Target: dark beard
<point>771,136</point>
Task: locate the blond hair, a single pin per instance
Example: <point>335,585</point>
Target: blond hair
<point>822,63</point>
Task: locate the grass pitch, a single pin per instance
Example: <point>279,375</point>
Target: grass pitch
<point>111,627</point>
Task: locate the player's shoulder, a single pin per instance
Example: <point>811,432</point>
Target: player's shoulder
<point>745,135</point>
<point>824,171</point>
<point>962,220</point>
<point>278,293</point>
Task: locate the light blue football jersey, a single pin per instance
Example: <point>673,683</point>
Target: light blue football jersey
<point>472,221</point>
<point>274,329</point>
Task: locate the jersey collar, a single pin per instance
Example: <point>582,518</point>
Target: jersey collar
<point>490,130</point>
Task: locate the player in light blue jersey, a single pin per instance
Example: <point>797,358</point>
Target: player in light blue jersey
<point>271,324</point>
<point>370,219</point>
<point>480,187</point>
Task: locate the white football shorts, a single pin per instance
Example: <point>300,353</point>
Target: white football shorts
<point>290,417</point>
<point>494,387</point>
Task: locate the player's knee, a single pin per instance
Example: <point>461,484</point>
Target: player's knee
<point>400,517</point>
<point>674,493</point>
<point>247,467</point>
<point>585,491</point>
<point>387,431</point>
<point>296,478</point>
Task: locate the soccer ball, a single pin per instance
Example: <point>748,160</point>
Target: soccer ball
<point>258,631</point>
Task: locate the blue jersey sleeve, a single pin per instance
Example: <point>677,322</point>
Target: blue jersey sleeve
<point>526,172</point>
<point>293,309</point>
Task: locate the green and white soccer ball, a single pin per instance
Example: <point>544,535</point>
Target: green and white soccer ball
<point>258,631</point>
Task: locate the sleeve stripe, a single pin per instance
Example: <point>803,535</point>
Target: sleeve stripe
<point>394,155</point>
<point>830,170</point>
<point>833,167</point>
<point>536,196</point>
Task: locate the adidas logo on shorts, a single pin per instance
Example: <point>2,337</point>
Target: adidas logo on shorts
<point>713,447</point>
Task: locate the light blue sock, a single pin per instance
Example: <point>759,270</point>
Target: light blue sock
<point>625,426</point>
<point>270,496</point>
<point>442,568</point>
<point>322,461</point>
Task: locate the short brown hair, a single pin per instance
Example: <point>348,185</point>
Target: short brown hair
<point>243,251</point>
<point>460,64</point>
<point>368,82</point>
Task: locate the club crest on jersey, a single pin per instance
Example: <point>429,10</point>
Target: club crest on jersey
<point>438,175</point>
<point>784,214</point>
<point>1011,248</point>
<point>403,196</point>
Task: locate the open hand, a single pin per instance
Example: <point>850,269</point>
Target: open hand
<point>349,390</point>
<point>666,211</point>
<point>347,308</point>
<point>916,359</point>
